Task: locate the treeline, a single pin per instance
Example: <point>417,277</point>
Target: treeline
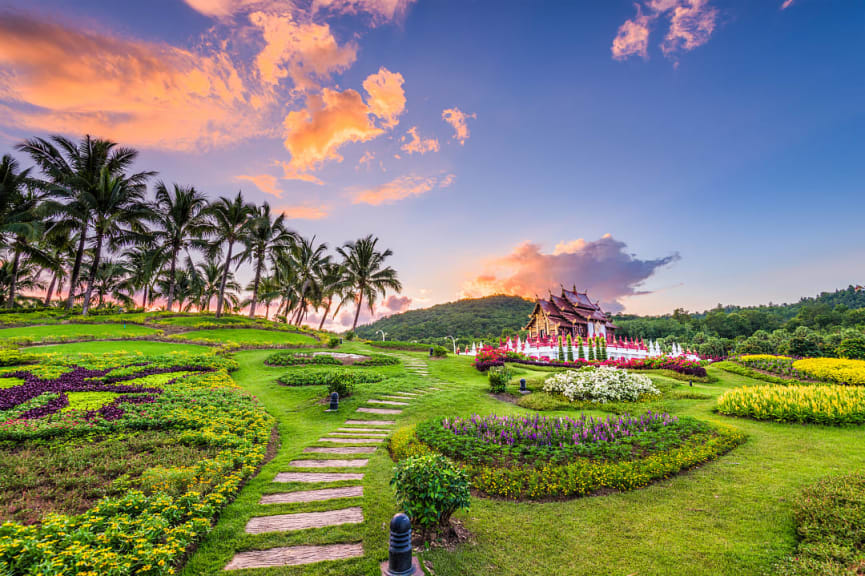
<point>81,220</point>
<point>810,327</point>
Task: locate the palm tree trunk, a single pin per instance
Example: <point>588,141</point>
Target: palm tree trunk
<point>76,268</point>
<point>171,278</point>
<point>51,289</point>
<point>357,312</point>
<point>14,276</point>
<point>255,285</point>
<point>221,297</point>
<point>267,311</point>
<point>144,297</point>
<point>324,316</point>
<point>85,307</point>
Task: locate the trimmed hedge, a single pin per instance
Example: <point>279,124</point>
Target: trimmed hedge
<point>300,359</point>
<point>438,351</point>
<point>329,376</point>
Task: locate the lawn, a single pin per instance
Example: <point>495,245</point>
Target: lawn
<point>248,337</point>
<point>61,332</point>
<point>731,516</point>
<point>101,347</point>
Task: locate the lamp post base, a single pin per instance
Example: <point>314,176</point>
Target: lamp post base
<point>418,571</point>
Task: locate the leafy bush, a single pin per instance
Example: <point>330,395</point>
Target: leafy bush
<point>332,342</point>
<point>404,444</point>
<point>429,489</point>
<point>830,520</point>
<point>837,370</point>
<point>300,359</point>
<point>499,376</point>
<point>378,360</point>
<point>852,348</point>
<point>831,405</point>
<point>340,380</point>
<point>602,384</point>
<point>349,336</point>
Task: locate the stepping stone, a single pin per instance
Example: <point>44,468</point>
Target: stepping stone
<point>304,520</point>
<point>312,495</point>
<point>378,411</point>
<point>342,450</point>
<point>388,402</point>
<point>374,434</point>
<point>316,476</point>
<point>437,389</point>
<point>357,430</point>
<point>401,398</point>
<point>351,440</point>
<point>356,463</point>
<point>371,422</point>
<point>293,556</point>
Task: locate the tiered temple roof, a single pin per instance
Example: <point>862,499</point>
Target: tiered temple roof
<point>570,313</point>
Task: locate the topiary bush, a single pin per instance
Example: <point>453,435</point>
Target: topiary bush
<point>429,489</point>
<point>300,359</point>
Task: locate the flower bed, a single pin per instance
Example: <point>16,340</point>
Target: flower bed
<point>838,370</point>
<point>781,366</point>
<point>603,384</point>
<point>831,405</point>
<point>485,359</point>
<point>535,457</point>
<point>147,530</point>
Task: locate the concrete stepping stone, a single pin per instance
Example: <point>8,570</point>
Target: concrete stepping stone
<point>374,434</point>
<point>370,422</point>
<point>355,463</point>
<point>304,520</point>
<point>359,430</point>
<point>388,402</point>
<point>342,450</point>
<point>379,411</point>
<point>312,495</point>
<point>399,398</point>
<point>293,556</point>
<point>316,476</point>
<point>351,440</point>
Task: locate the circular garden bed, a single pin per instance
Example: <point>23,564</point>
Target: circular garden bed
<point>535,457</point>
<point>329,359</point>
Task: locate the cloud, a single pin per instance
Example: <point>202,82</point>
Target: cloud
<point>691,25</point>
<point>633,37</point>
<point>401,188</point>
<point>264,182</point>
<point>386,97</point>
<point>302,51</point>
<point>141,93</point>
<point>366,159</point>
<point>604,267</point>
<point>304,212</point>
<point>393,304</point>
<point>457,119</point>
<point>380,10</point>
<point>787,4</point>
<point>418,144</point>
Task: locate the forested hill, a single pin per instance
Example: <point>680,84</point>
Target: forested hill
<point>470,318</point>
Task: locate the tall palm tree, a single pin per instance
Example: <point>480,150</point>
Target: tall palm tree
<point>264,237</point>
<point>75,170</point>
<point>308,262</point>
<point>145,264</point>
<point>181,214</point>
<point>119,213</point>
<point>332,285</point>
<point>231,222</point>
<point>112,280</point>
<point>366,272</point>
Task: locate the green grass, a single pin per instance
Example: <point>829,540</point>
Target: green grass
<point>248,337</point>
<point>60,332</point>
<point>132,345</point>
<point>88,400</point>
<point>9,382</point>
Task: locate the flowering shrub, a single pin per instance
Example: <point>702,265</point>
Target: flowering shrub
<point>839,370</point>
<point>602,384</point>
<point>430,488</point>
<point>781,366</point>
<point>832,405</point>
<point>489,357</point>
<point>149,529</point>
<point>499,376</point>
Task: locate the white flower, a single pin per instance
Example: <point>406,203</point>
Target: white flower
<point>602,384</point>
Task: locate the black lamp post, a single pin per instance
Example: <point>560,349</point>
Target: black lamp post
<point>334,402</point>
<point>399,560</point>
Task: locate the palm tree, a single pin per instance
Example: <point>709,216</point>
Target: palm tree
<point>60,241</point>
<point>307,261</point>
<point>75,170</point>
<point>112,280</point>
<point>181,214</point>
<point>332,285</point>
<point>119,212</point>
<point>145,264</point>
<point>265,236</point>
<point>366,273</point>
<point>27,278</point>
<point>231,221</point>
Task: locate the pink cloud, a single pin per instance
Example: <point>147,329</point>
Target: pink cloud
<point>417,144</point>
<point>264,182</point>
<point>401,188</point>
<point>604,267</point>
<point>303,212</point>
<point>787,4</point>
<point>691,25</point>
<point>633,37</point>
<point>458,121</point>
<point>386,96</point>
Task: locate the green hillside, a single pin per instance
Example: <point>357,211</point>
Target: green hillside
<point>470,318</point>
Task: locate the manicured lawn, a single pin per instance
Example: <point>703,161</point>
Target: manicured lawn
<point>59,332</point>
<point>248,337</point>
<point>144,347</point>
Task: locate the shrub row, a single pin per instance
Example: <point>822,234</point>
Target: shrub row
<point>438,351</point>
<point>829,404</point>
<point>339,380</point>
<point>300,359</point>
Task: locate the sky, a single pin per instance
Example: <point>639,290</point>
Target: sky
<point>658,153</point>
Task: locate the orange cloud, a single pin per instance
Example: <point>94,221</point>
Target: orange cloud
<point>401,188</point>
<point>141,93</point>
<point>386,96</point>
<point>457,119</point>
<point>302,51</point>
<point>604,267</point>
<point>786,4</point>
<point>633,37</point>
<point>304,212</point>
<point>366,159</point>
<point>380,10</point>
<point>418,144</point>
<point>692,23</point>
<point>264,182</point>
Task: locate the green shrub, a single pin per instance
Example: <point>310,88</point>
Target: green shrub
<point>14,357</point>
<point>349,336</point>
<point>852,348</point>
<point>336,379</point>
<point>378,360</point>
<point>404,444</point>
<point>438,351</point>
<point>332,342</point>
<point>300,359</point>
<point>429,489</point>
<point>499,376</point>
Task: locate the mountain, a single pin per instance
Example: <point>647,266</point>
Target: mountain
<point>469,318</point>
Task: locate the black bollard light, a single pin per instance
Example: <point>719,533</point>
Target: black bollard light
<point>399,560</point>
<point>690,383</point>
<point>334,402</point>
<point>430,352</point>
<point>522,384</point>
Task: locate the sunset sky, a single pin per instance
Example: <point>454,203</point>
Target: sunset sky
<point>660,153</point>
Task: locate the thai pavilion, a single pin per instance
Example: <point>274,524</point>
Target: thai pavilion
<point>571,313</point>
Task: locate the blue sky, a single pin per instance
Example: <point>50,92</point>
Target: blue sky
<point>723,155</point>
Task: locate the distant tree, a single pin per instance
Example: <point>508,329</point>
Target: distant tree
<point>853,348</point>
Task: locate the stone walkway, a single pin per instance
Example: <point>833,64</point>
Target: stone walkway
<point>336,462</point>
